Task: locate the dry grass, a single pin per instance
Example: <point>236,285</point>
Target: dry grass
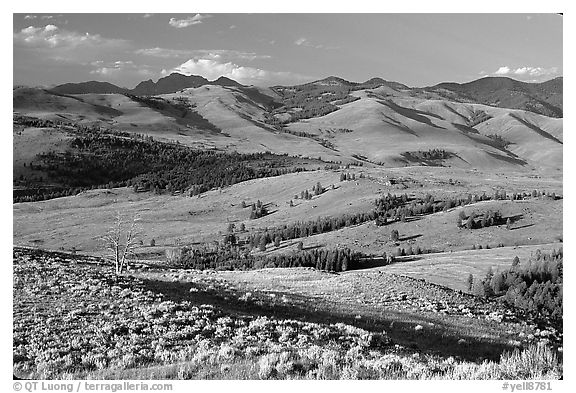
<point>77,221</point>
<point>76,321</point>
<point>452,269</point>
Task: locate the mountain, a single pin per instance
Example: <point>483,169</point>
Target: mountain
<point>378,122</point>
<point>169,84</point>
<point>94,87</point>
<point>544,98</point>
<point>223,81</point>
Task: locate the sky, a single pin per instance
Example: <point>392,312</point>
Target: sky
<point>270,49</point>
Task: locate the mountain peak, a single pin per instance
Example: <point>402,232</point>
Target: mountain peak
<point>224,81</point>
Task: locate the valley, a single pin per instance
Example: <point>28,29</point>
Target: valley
<point>408,233</point>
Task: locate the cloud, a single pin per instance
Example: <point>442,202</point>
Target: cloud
<point>504,70</point>
<point>215,54</point>
<point>147,15</point>
<point>527,72</point>
<point>190,21</point>
<point>32,17</point>
<point>303,41</point>
<point>213,69</point>
<point>52,37</point>
<point>119,68</point>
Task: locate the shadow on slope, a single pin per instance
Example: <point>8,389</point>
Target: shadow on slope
<point>441,339</point>
<point>414,114</point>
<point>396,124</point>
<point>535,128</point>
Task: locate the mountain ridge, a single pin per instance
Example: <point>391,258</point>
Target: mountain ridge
<point>543,98</point>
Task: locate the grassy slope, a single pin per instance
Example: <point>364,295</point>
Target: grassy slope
<point>382,130</point>
<point>451,270</point>
<point>185,324</point>
<point>29,142</point>
<point>78,221</point>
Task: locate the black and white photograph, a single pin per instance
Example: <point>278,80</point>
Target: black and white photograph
<point>286,196</point>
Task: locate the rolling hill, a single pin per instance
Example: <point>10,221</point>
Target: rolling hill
<point>377,122</point>
<point>542,98</point>
<point>168,84</point>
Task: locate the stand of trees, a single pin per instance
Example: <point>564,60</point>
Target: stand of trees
<point>432,156</point>
<point>309,228</point>
<point>487,219</point>
<point>258,210</point>
<point>103,160</point>
<point>535,286</point>
<point>236,258</point>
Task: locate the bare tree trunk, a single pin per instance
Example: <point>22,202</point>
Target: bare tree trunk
<point>120,242</point>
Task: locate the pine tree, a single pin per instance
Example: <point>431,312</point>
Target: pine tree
<point>470,282</point>
<point>470,222</point>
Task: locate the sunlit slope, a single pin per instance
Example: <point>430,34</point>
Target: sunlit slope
<point>385,128</point>
<point>79,221</point>
<point>43,104</point>
<point>381,127</point>
<point>240,116</point>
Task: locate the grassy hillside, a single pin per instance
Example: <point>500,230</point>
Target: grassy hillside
<point>188,325</point>
<point>78,221</point>
<point>375,126</point>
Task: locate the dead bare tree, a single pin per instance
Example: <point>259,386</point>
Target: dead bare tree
<point>121,240</point>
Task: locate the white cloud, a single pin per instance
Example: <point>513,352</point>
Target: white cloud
<point>190,21</point>
<point>502,71</point>
<point>30,17</point>
<point>303,41</point>
<point>217,54</point>
<point>527,72</point>
<point>213,69</point>
<point>147,15</point>
<point>119,68</point>
<point>52,37</point>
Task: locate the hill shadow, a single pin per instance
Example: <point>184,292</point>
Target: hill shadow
<point>442,338</point>
<point>100,109</point>
<point>405,238</point>
<point>535,128</point>
<point>400,126</point>
<point>413,114</point>
<point>455,112</point>
<point>511,160</point>
<point>523,226</point>
<point>466,129</point>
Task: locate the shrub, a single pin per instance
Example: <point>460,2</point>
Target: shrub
<point>173,255</point>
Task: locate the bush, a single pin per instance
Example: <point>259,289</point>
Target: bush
<point>174,255</point>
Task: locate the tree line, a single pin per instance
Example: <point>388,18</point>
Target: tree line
<point>237,258</point>
<point>535,286</point>
<point>100,160</point>
<point>388,209</point>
